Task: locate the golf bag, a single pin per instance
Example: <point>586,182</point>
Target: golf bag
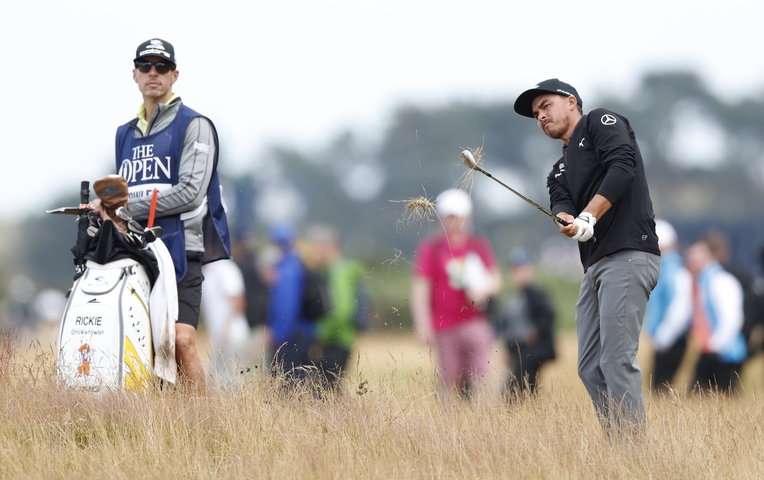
<point>105,339</point>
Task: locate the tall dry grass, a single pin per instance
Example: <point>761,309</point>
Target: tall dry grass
<point>388,424</point>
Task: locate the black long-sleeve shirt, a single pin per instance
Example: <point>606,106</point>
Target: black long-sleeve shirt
<point>603,158</point>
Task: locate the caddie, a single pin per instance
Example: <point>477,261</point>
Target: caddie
<point>173,149</point>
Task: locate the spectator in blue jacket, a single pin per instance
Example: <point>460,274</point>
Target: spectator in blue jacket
<point>289,333</point>
<point>717,321</point>
<point>669,310</point>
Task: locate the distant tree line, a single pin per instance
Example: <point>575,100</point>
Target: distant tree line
<point>704,161</point>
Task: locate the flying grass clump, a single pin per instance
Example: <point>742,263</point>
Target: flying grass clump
<point>393,262</point>
<point>419,210</point>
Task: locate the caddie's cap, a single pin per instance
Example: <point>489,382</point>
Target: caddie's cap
<point>524,103</point>
<point>112,190</point>
<point>156,48</point>
<point>453,202</point>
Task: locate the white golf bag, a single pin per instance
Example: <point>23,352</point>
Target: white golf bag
<point>106,330</point>
<point>105,338</point>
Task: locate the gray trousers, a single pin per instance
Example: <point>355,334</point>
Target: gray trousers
<point>609,314</point>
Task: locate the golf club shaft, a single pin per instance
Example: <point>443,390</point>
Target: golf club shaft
<point>558,219</point>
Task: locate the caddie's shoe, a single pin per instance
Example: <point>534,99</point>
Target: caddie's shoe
<point>112,190</point>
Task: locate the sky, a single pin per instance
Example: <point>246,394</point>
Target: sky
<point>298,72</point>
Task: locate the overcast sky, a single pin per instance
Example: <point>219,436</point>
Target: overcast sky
<point>299,72</point>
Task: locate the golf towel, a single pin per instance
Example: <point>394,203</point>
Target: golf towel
<point>163,308</point>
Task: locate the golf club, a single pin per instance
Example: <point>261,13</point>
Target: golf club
<point>132,225</point>
<point>469,160</point>
<point>150,234</point>
<point>124,214</point>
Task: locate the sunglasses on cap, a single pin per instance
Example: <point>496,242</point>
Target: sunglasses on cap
<point>144,66</point>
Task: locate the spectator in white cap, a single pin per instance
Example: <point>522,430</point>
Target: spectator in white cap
<point>455,273</point>
<point>669,310</point>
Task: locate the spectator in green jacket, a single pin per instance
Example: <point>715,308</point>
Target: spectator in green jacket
<point>336,332</point>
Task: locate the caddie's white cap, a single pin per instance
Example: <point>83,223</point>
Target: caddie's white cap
<point>453,202</point>
<point>666,234</point>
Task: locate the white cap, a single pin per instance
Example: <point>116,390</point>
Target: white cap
<point>453,202</point>
<point>666,234</point>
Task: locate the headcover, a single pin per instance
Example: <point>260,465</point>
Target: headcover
<point>112,190</point>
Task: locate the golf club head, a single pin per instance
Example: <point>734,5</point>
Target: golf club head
<point>151,234</point>
<point>468,159</point>
<point>137,239</point>
<point>124,214</point>
<point>134,227</point>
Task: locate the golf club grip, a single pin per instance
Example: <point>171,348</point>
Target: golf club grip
<point>84,192</point>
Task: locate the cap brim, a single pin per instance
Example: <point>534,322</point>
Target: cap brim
<point>152,55</point>
<point>524,103</point>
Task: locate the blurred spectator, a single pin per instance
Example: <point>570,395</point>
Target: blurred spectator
<point>669,310</point>
<point>755,332</point>
<point>525,325</point>
<point>255,290</point>
<point>266,261</point>
<point>49,306</point>
<point>20,314</point>
<point>335,332</point>
<point>223,306</point>
<point>753,295</point>
<point>455,273</point>
<point>717,320</point>
<point>290,334</point>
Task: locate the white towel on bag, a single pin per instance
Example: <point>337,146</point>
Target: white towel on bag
<point>163,308</point>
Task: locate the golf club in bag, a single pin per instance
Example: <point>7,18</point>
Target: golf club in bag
<point>105,339</point>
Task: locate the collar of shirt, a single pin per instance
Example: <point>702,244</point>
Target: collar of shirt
<point>143,122</point>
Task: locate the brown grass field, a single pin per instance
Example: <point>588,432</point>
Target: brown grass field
<point>388,424</point>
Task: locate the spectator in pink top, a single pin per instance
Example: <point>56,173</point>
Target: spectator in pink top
<point>455,273</point>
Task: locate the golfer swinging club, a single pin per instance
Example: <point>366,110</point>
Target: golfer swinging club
<point>599,183</point>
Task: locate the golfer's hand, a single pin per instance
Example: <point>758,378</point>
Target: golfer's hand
<point>585,223</point>
<point>571,229</point>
